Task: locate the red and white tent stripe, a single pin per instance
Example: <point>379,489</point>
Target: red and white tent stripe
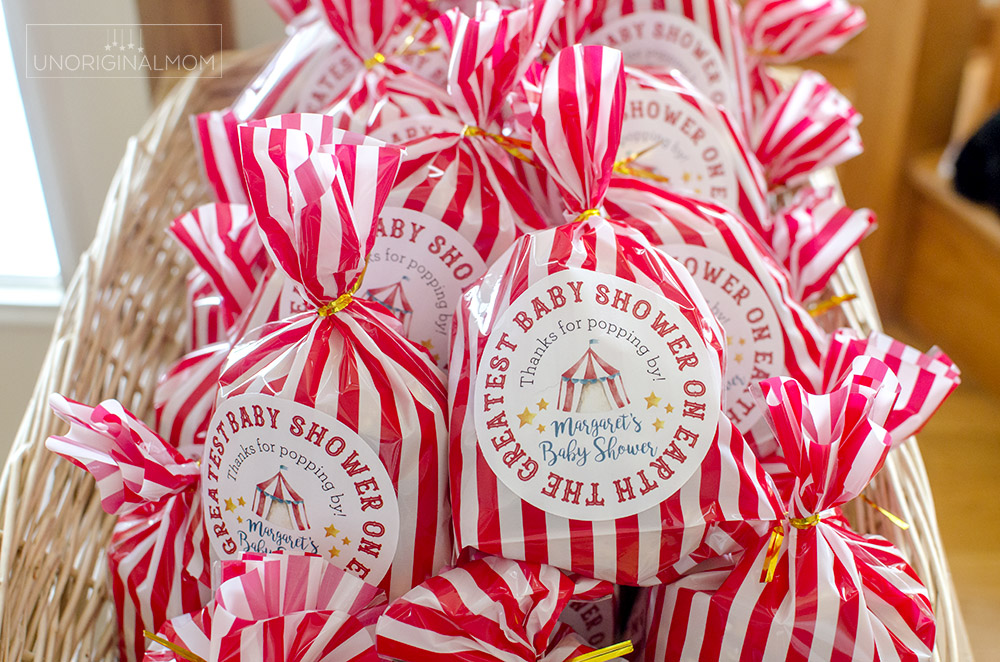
<point>591,369</point>
<point>277,491</point>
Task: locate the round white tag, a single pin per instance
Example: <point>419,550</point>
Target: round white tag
<point>670,41</point>
<point>678,142</point>
<point>418,270</point>
<point>755,349</point>
<point>280,476</point>
<point>595,398</point>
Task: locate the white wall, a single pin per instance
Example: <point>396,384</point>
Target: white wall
<point>79,129</point>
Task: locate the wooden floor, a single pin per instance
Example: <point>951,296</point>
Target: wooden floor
<point>961,448</point>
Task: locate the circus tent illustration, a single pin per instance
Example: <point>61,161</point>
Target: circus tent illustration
<point>394,298</point>
<point>275,501</point>
<point>592,385</point>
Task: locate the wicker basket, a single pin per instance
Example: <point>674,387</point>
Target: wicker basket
<point>123,322</point>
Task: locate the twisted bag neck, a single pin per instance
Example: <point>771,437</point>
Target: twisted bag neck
<point>344,300</point>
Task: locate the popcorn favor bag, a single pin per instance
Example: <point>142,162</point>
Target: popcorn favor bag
<point>328,436</point>
<point>586,379</point>
<point>813,589</point>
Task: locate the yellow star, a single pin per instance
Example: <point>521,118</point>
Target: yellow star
<point>687,177</point>
<point>332,532</point>
<point>427,343</point>
<point>658,424</point>
<point>542,404</point>
<point>729,341</point>
<point>652,400</point>
<point>436,357</point>
<point>541,428</point>
<point>230,506</point>
<point>242,502</point>
<point>743,341</point>
<point>527,418</point>
<point>346,541</point>
<point>738,358</point>
<point>334,552</point>
<point>239,519</point>
<point>669,408</point>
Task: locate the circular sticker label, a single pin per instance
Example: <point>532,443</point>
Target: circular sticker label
<point>418,270</point>
<point>755,348</point>
<point>595,398</point>
<point>671,41</point>
<point>593,621</point>
<point>404,129</point>
<point>677,142</point>
<point>280,476</point>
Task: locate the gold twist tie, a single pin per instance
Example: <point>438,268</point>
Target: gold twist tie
<point>513,146</point>
<point>625,167</point>
<point>605,654</point>
<point>774,543</point>
<point>374,60</point>
<point>895,519</point>
<point>585,214</point>
<point>182,653</point>
<point>344,300</point>
<point>821,307</point>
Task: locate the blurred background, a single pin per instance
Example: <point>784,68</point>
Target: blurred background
<point>925,75</point>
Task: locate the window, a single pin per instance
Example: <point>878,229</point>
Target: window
<point>29,266</point>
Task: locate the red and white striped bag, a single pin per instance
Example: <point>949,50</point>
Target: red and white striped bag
<point>386,40</point>
<point>226,246</point>
<point>457,206</point>
<point>768,332</point>
<point>926,380</point>
<point>329,432</point>
<point>488,609</point>
<point>807,127</point>
<point>158,551</point>
<point>559,456</point>
<point>787,31</point>
<point>815,590</point>
<point>277,607</point>
<point>700,38</point>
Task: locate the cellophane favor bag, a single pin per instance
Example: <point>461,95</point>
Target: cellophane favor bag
<point>489,609</point>
<point>287,607</point>
<point>158,552</point>
<point>585,384</point>
<point>329,432</point>
<point>814,589</point>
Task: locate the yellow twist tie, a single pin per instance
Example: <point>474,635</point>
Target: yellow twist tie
<point>625,167</point>
<point>585,214</point>
<point>605,654</point>
<point>376,59</point>
<point>823,306</point>
<point>344,300</point>
<point>512,146</point>
<point>771,558</point>
<point>182,653</point>
<point>804,522</point>
<point>898,521</point>
<point>774,543</point>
